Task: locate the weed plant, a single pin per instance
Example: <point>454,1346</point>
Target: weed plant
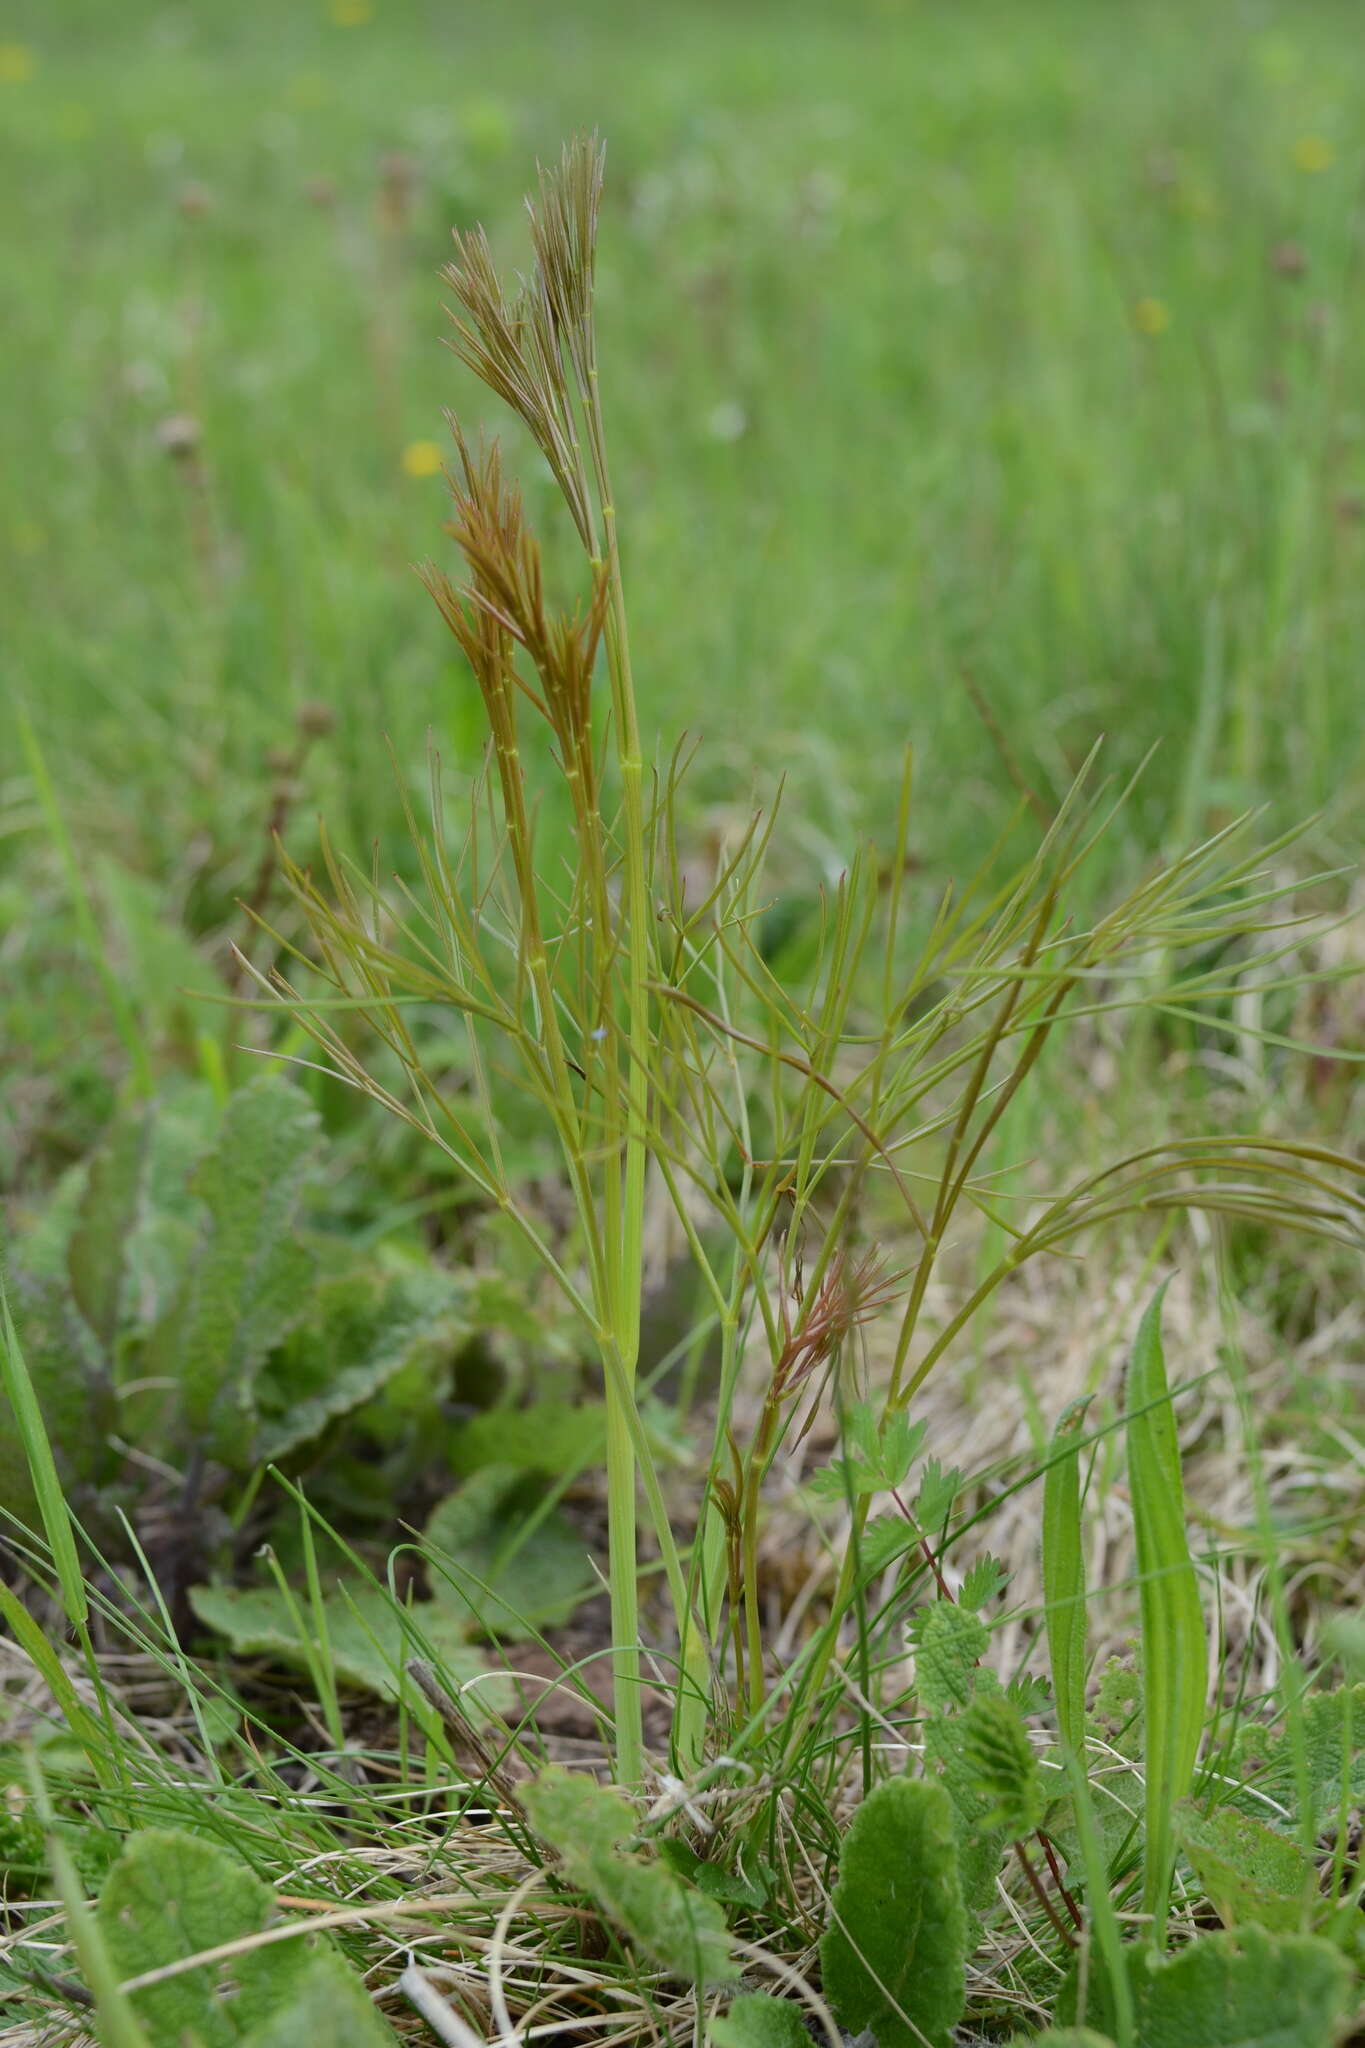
<point>819,1128</point>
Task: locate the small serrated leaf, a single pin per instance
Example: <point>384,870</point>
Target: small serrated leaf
<point>590,1828</point>
<point>937,1496</point>
<point>893,1958</point>
<point>984,1581</point>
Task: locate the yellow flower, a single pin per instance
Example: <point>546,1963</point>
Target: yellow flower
<point>16,63</point>
<point>1151,316</point>
<point>351,13</point>
<point>1313,153</point>
<point>422,458</point>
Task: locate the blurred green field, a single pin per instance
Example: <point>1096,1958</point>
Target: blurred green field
<point>948,348</point>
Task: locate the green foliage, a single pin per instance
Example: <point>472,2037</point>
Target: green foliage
<point>1064,1577</point>
<point>757,2020</point>
<point>591,1830</point>
<point>172,1896</point>
<point>550,1436</point>
<point>893,1956</point>
<point>327,2004</point>
<point>505,1566</point>
<point>876,1458</point>
<point>999,1759</point>
<point>1332,1736</point>
<point>1244,1990</point>
<point>949,1642</point>
<point>1175,1652</point>
<point>1249,1873</point>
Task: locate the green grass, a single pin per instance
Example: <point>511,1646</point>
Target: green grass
<point>897,251</point>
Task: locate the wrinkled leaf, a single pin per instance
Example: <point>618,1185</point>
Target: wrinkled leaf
<point>1245,1990</point>
<point>173,1895</point>
<point>549,1436</point>
<point>249,1279</point>
<point>97,1256</point>
<point>1249,1872</point>
<point>949,1642</point>
<point>361,1335</point>
<point>590,1828</point>
<point>758,2021</point>
<point>894,1955</point>
<point>998,1755</point>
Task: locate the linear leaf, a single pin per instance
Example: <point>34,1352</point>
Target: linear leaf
<point>1064,1576</point>
<point>1175,1652</point>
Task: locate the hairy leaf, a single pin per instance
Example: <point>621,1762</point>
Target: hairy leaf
<point>590,1828</point>
<point>505,1575</point>
<point>171,1896</point>
<point>984,1582</point>
<point>998,1754</point>
<point>757,2020</point>
<point>249,1279</point>
<point>1175,1656</point>
<point>328,2005</point>
<point>1250,1873</point>
<point>893,1956</point>
<point>1245,1990</point>
<point>549,1436</point>
<point>1332,1731</point>
<point>949,1642</point>
<point>979,1846</point>
<point>73,1388</point>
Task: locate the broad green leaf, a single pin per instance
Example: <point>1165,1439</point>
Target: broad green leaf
<point>97,1256</point>
<point>949,1642</point>
<point>1250,1873</point>
<point>1244,1990</point>
<point>363,1332</point>
<point>369,1641</point>
<point>505,1573</point>
<point>1175,1655</point>
<point>171,1896</point>
<point>590,1828</point>
<point>549,1436</point>
<point>249,1280</point>
<point>327,2009</point>
<point>756,2020</point>
<point>999,1756</point>
<point>1064,1577</point>
<point>894,1955</point>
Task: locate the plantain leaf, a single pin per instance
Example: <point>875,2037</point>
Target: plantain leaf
<point>1064,1577</point>
<point>591,1828</point>
<point>366,1632</point>
<point>894,1955</point>
<point>1175,1657</point>
<point>249,1279</point>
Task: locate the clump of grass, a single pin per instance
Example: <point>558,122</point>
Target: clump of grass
<point>815,1133</point>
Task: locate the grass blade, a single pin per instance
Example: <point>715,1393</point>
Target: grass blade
<point>1064,1577</point>
<point>1175,1655</point>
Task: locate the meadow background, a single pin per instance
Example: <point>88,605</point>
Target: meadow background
<point>954,354</point>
